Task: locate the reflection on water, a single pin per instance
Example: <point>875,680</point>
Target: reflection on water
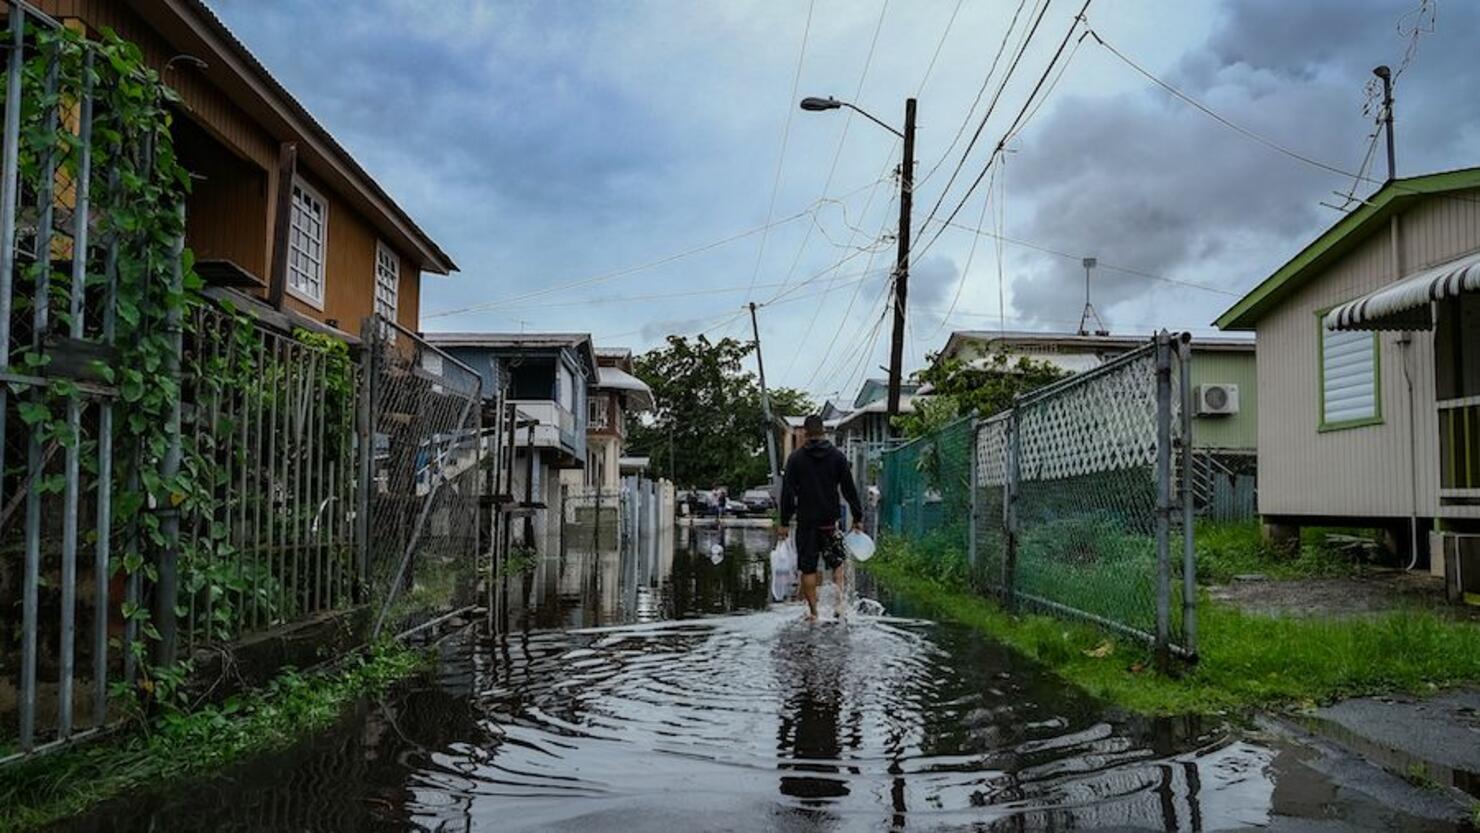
<point>668,695</point>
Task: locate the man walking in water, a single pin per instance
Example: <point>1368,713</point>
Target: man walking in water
<point>815,474</point>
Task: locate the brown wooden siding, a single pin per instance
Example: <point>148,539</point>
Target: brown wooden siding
<point>231,212</point>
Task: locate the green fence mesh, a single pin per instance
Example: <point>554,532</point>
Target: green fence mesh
<point>927,491</point>
<point>1062,510</point>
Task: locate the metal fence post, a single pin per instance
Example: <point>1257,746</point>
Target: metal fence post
<point>1163,500</point>
<point>366,425</point>
<point>1010,507</point>
<point>1189,542</point>
<point>973,512</point>
<point>9,194</point>
<point>167,597</point>
<point>73,455</point>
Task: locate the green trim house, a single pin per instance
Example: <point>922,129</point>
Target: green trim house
<point>1368,364</point>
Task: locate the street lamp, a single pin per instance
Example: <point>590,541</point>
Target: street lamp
<point>813,104</point>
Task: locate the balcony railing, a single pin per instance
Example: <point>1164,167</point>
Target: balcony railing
<point>556,428</point>
<point>1459,447</point>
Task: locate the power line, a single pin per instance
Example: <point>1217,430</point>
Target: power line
<point>641,267</point>
<point>991,107</point>
<point>842,139</point>
<point>1102,264</point>
<point>796,81</point>
<point>981,91</point>
<point>852,300</point>
<point>971,254</point>
<point>930,67</point>
<point>1269,143</point>
<point>1011,128</point>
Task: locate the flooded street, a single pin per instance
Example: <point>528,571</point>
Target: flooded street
<point>628,693</point>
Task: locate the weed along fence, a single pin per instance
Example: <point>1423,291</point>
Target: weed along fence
<point>1075,501</point>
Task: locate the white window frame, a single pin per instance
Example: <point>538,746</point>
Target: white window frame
<point>311,271</point>
<point>387,283</point>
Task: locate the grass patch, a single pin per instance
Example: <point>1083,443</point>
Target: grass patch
<point>1247,660</point>
<point>1228,549</point>
<point>179,745</point>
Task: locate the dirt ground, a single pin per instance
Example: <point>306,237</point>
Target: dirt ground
<point>1370,592</point>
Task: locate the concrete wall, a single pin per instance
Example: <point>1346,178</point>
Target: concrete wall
<point>1361,472</point>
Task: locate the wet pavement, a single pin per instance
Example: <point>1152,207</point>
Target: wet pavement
<point>664,692</point>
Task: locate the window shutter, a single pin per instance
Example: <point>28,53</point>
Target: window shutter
<point>1348,376</point>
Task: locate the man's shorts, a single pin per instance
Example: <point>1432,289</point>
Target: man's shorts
<point>825,543</point>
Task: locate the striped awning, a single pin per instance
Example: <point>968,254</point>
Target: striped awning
<point>1405,305</point>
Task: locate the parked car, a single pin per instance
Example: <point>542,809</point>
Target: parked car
<point>759,501</point>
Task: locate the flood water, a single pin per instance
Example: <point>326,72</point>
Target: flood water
<point>665,693</point>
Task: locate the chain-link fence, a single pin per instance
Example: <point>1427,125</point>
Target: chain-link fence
<point>1073,501</point>
<point>420,517</point>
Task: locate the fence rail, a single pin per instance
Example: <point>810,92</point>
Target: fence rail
<point>1078,500</point>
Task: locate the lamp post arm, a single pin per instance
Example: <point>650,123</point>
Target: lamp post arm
<point>865,114</point>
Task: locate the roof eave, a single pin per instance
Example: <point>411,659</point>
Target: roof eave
<point>1340,238</point>
<point>200,19</point>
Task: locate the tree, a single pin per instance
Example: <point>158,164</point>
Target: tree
<point>983,387</point>
<point>708,428</point>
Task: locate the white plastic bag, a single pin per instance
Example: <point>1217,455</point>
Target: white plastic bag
<point>859,545</point>
<point>783,570</point>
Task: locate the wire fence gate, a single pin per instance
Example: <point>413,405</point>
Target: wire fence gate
<point>1078,500</point>
<point>419,515</point>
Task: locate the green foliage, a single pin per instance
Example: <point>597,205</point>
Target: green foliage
<point>178,745</point>
<point>931,413</point>
<point>137,212</point>
<point>1228,549</point>
<point>521,560</point>
<point>1247,660</point>
<point>982,387</point>
<point>709,428</point>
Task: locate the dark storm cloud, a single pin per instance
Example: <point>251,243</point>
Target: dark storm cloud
<point>1141,179</point>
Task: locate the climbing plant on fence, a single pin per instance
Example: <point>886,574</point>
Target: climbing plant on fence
<point>149,433</point>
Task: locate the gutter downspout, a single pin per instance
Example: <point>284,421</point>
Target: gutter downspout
<point>1405,339</point>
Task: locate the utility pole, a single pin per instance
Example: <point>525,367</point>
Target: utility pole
<point>902,261</point>
<point>1387,116</point>
<point>765,403</point>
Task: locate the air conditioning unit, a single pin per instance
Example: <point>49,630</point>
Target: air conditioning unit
<point>1216,399</point>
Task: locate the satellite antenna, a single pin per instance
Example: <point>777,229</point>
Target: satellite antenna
<point>1089,313</point>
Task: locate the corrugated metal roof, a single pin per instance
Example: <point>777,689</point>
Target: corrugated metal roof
<point>640,396</point>
<point>1404,305</point>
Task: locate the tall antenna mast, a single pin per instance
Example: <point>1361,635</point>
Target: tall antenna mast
<point>1089,313</point>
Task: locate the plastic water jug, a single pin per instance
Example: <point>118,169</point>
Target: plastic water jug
<point>859,545</point>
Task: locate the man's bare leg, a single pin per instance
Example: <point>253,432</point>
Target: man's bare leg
<point>809,592</point>
<point>840,578</point>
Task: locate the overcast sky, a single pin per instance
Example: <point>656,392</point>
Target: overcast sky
<point>548,143</point>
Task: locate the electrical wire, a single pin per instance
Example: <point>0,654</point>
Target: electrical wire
<point>930,67</point>
<point>991,108</point>
<point>641,267</point>
<point>1269,143</point>
<point>981,91</point>
<point>842,139</point>
<point>785,134</point>
<point>1019,119</point>
<point>1102,264</point>
<point>971,254</point>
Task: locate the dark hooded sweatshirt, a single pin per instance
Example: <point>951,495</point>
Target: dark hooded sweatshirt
<point>815,473</point>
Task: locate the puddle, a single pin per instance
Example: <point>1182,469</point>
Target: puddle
<point>664,692</point>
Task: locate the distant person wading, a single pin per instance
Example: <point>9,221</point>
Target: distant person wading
<point>815,475</point>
